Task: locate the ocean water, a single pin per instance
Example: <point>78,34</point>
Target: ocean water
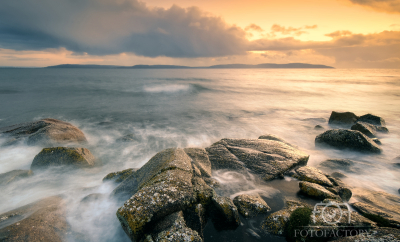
<point>187,108</point>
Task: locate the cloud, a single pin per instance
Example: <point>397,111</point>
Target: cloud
<point>391,6</point>
<point>102,27</point>
<point>254,27</point>
<point>290,30</point>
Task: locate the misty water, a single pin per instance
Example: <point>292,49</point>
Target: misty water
<point>188,108</point>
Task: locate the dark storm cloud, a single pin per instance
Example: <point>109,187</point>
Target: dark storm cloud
<point>102,27</point>
<point>380,5</point>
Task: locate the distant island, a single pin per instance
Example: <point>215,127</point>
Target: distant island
<point>229,66</point>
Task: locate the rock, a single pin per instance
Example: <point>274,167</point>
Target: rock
<point>59,156</point>
<point>196,218</point>
<point>275,223</point>
<point>318,127</point>
<point>173,228</point>
<point>200,160</point>
<point>346,118</point>
<point>345,193</point>
<point>276,138</point>
<point>372,119</point>
<point>127,138</point>
<point>316,191</point>
<point>347,139</point>
<point>225,215</point>
<point>374,235</point>
<point>266,158</point>
<point>311,174</point>
<point>299,218</point>
<point>213,183</point>
<point>376,214</point>
<point>369,130</point>
<point>399,190</point>
<point>377,141</point>
<point>339,164</point>
<point>45,132</point>
<point>251,205</point>
<point>92,198</point>
<point>44,220</point>
<point>12,176</point>
<point>119,176</point>
<point>338,175</point>
<point>378,203</point>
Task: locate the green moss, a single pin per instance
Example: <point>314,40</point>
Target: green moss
<point>381,221</point>
<point>299,218</point>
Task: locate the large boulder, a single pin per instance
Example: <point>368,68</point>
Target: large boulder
<point>12,176</point>
<point>44,220</point>
<point>372,119</point>
<point>266,158</point>
<point>345,118</point>
<point>251,205</point>
<point>312,174</point>
<point>44,132</point>
<point>369,130</point>
<point>61,156</point>
<point>347,139</point>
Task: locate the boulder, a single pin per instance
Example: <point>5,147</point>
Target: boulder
<point>265,158</point>
<point>318,127</point>
<point>345,118</point>
<point>338,175</point>
<point>200,160</point>
<point>45,132</point>
<point>372,119</point>
<point>61,156</point>
<point>347,139</point>
<point>276,222</point>
<point>119,176</point>
<point>338,164</point>
<point>276,138</point>
<point>251,205</point>
<point>311,174</point>
<point>369,130</point>
<point>375,234</point>
<point>225,214</point>
<point>11,176</point>
<point>316,191</point>
<point>378,203</point>
<point>44,220</point>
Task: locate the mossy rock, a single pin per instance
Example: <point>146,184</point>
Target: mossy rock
<point>299,218</point>
<point>61,156</point>
<point>119,176</point>
<point>251,205</point>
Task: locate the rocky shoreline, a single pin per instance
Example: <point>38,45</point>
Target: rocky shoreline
<point>175,196</point>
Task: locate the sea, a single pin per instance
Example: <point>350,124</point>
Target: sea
<point>164,108</point>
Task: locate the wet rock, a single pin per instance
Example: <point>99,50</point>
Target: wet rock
<point>316,191</point>
<point>45,132</point>
<point>92,198</point>
<point>200,160</point>
<point>127,138</point>
<point>311,174</point>
<point>43,220</point>
<point>251,205</point>
<point>368,210</point>
<point>369,130</point>
<point>377,141</point>
<point>347,139</point>
<point>318,127</point>
<point>203,192</point>
<point>276,138</point>
<point>59,156</point>
<point>374,235</point>
<point>276,222</point>
<point>345,118</point>
<point>345,193</point>
<point>338,175</point>
<point>339,164</point>
<point>15,175</point>
<point>225,215</point>
<point>378,203</point>
<point>266,158</point>
<point>173,228</point>
<point>119,176</point>
<point>372,119</point>
<point>213,183</point>
<point>196,218</point>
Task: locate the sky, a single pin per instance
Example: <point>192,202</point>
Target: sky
<point>339,33</point>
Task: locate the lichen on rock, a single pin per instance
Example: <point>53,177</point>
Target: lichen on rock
<point>251,205</point>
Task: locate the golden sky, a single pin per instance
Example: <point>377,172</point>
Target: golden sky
<point>340,33</point>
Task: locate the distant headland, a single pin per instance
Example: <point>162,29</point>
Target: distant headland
<point>229,66</point>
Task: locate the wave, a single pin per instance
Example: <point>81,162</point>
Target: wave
<point>174,88</point>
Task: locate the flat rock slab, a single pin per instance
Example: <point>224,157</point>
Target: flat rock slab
<point>347,139</point>
<point>61,156</point>
<point>316,191</point>
<point>40,221</point>
<point>312,174</point>
<point>251,205</point>
<point>266,158</point>
<point>44,132</point>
